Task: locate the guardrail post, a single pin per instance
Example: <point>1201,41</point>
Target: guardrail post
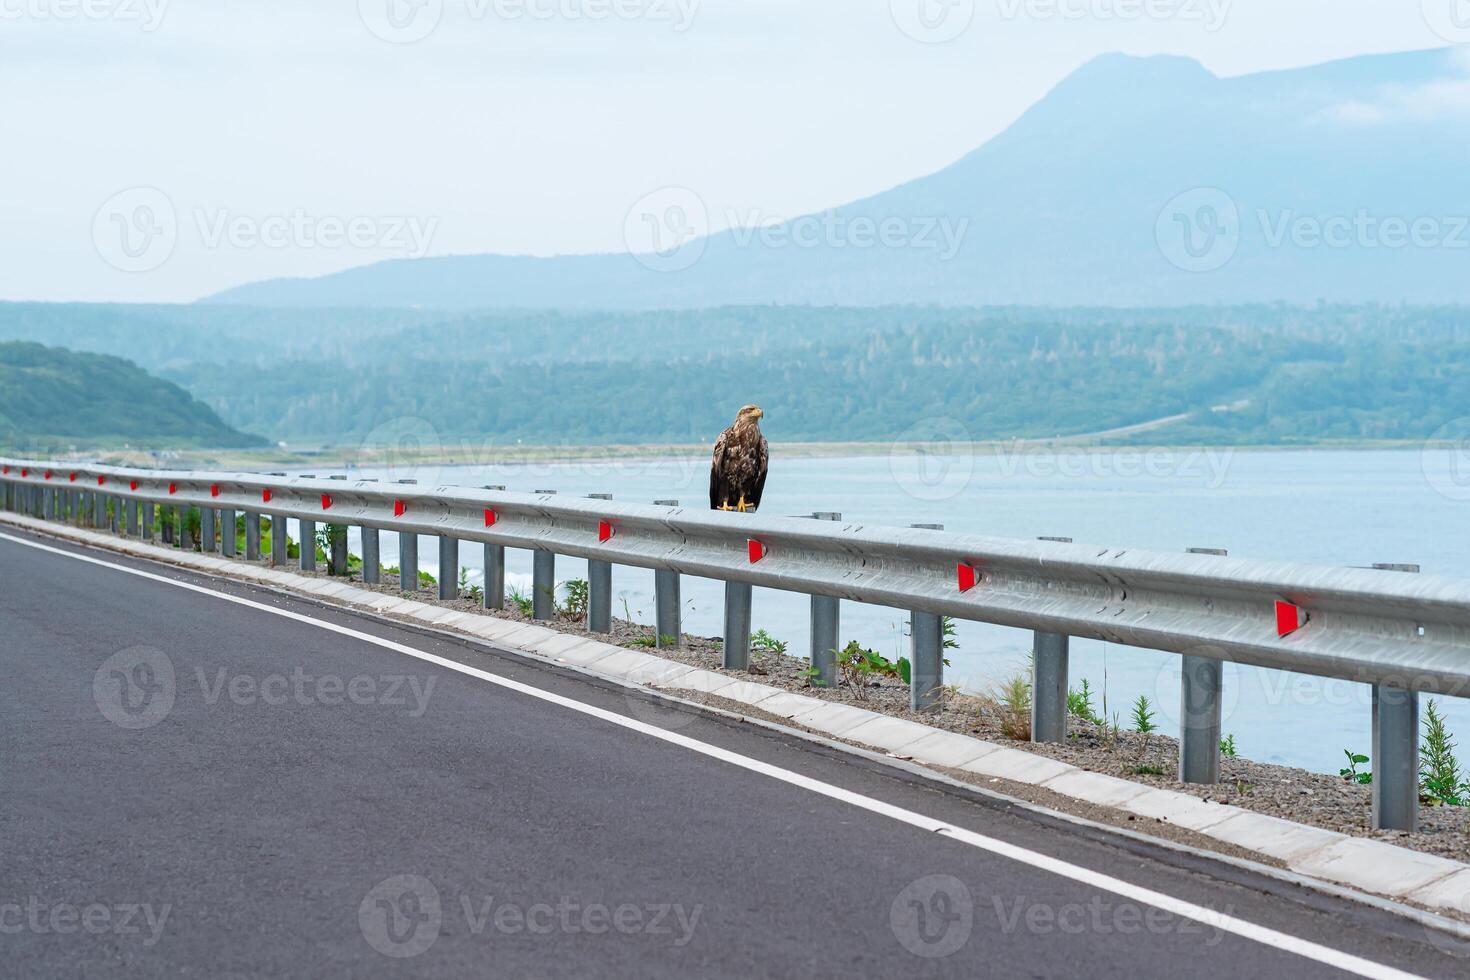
<point>206,530</point>
<point>1395,749</point>
<point>667,630</point>
<point>826,625</point>
<point>926,661</point>
<point>1050,656</point>
<point>186,537</point>
<point>227,532</point>
<point>307,530</point>
<point>252,535</point>
<point>337,556</point>
<point>280,540</point>
<point>1201,685</point>
<point>494,591</point>
<point>448,567</point>
<point>408,557</point>
<point>1395,758</point>
<point>737,625</point>
<point>408,561</point>
<point>336,549</point>
<point>99,511</point>
<point>494,576</point>
<point>543,579</point>
<point>599,588</point>
<point>372,565</point>
<point>1050,664</point>
<point>148,524</point>
<point>543,584</point>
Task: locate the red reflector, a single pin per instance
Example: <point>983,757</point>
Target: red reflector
<point>967,576</point>
<point>491,517</point>
<point>604,530</point>
<point>265,496</point>
<point>756,549</point>
<point>326,502</point>
<point>173,488</point>
<point>25,472</point>
<point>214,490</point>
<point>1289,618</point>
<point>7,471</point>
<point>398,508</point>
<point>101,480</point>
<point>48,474</point>
<point>133,485</point>
<point>72,478</point>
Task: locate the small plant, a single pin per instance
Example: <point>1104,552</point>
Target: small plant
<point>1079,704</point>
<point>813,676</point>
<point>857,666</point>
<point>1013,696</point>
<point>762,642</point>
<point>1143,722</point>
<point>1439,770</point>
<point>1227,747</point>
<point>644,641</point>
<point>1350,771</point>
<point>1143,716</point>
<point>524,603</point>
<point>1147,770</point>
<point>951,641</point>
<point>574,607</point>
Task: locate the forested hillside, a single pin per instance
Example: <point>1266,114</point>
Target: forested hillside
<point>1287,375</point>
<point>55,398</point>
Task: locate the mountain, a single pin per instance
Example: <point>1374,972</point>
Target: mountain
<point>60,397</point>
<point>1135,182</point>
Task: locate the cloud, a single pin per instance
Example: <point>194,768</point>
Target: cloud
<point>1442,99</point>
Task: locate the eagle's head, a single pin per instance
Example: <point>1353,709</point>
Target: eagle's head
<point>749,415</point>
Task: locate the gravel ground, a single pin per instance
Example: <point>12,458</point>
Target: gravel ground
<point>1294,794</point>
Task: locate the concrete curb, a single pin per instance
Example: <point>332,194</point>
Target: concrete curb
<point>1369,865</point>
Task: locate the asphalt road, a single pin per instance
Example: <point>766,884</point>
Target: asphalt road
<point>191,787</point>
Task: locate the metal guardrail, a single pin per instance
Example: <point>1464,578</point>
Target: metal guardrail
<point>1404,634</point>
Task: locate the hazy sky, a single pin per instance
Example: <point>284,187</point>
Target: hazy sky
<point>159,150</point>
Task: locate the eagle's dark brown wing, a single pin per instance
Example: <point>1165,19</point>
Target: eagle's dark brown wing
<point>762,461</point>
<point>719,487</point>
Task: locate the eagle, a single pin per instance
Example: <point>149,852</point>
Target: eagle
<point>737,475</point>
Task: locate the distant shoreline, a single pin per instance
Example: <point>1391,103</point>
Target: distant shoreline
<point>360,457</point>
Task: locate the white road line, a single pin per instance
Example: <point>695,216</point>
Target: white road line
<point>1188,910</point>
